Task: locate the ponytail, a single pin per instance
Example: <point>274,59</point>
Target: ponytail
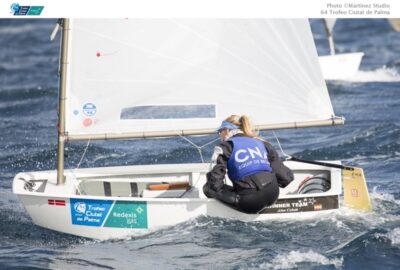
<point>246,126</point>
<point>244,123</point>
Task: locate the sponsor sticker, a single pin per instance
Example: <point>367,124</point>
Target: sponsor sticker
<point>87,122</point>
<point>89,109</point>
<point>108,213</point>
<point>305,204</point>
<point>18,10</point>
<point>89,212</point>
<point>317,207</point>
<point>128,215</point>
<point>354,192</point>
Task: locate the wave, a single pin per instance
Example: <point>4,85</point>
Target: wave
<point>21,240</point>
<point>295,259</point>
<point>18,229</point>
<point>383,74</point>
<point>394,236</point>
<point>382,243</point>
<point>355,245</point>
<point>386,204</point>
<point>357,145</point>
<point>24,26</point>
<point>32,158</point>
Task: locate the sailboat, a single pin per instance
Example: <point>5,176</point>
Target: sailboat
<point>154,78</point>
<point>395,23</point>
<point>338,66</point>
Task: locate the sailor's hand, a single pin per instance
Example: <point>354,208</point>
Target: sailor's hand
<point>208,191</point>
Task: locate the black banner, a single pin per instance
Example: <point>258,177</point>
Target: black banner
<point>305,204</point>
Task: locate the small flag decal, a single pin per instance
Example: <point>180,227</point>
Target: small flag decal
<point>57,202</point>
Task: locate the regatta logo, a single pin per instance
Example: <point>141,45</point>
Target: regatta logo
<point>89,109</point>
<point>80,207</point>
<point>15,7</point>
<point>18,10</point>
<point>243,155</point>
<point>106,213</point>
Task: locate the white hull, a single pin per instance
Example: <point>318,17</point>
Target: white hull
<point>94,215</point>
<point>340,66</point>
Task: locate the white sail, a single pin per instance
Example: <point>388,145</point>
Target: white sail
<point>330,23</point>
<point>149,75</point>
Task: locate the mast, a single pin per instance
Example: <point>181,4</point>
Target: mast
<point>329,31</point>
<point>61,103</point>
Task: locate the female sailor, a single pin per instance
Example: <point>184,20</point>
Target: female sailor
<point>252,164</point>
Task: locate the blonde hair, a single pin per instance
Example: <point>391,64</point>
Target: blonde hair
<point>244,123</point>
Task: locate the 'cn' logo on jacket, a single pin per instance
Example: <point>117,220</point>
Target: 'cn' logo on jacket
<point>249,156</point>
<point>243,155</point>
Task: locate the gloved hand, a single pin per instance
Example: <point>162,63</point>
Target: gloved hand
<point>208,191</point>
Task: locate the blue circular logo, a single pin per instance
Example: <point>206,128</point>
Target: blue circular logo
<point>80,207</point>
<point>89,109</point>
<point>15,7</point>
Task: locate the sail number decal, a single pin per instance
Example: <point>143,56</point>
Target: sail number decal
<point>108,213</point>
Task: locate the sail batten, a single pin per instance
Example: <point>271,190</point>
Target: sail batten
<point>134,76</point>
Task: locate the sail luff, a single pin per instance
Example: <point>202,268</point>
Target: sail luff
<point>61,103</point>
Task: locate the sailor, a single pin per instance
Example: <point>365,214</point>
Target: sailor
<point>252,164</point>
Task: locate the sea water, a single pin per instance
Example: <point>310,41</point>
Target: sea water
<point>370,101</point>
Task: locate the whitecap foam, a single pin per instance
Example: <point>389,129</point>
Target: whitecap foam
<point>18,29</point>
<point>383,74</point>
<point>383,196</point>
<point>383,204</point>
<point>394,236</point>
<point>294,258</point>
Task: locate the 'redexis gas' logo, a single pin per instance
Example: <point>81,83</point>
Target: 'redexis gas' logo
<point>80,207</point>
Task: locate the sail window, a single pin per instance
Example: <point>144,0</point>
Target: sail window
<point>169,112</point>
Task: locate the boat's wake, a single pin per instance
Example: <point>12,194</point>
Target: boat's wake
<point>383,74</point>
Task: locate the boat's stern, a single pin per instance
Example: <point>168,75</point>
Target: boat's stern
<point>314,189</point>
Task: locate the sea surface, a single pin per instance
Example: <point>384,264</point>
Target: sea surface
<point>370,101</point>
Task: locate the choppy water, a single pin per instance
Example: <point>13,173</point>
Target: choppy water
<point>348,240</point>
